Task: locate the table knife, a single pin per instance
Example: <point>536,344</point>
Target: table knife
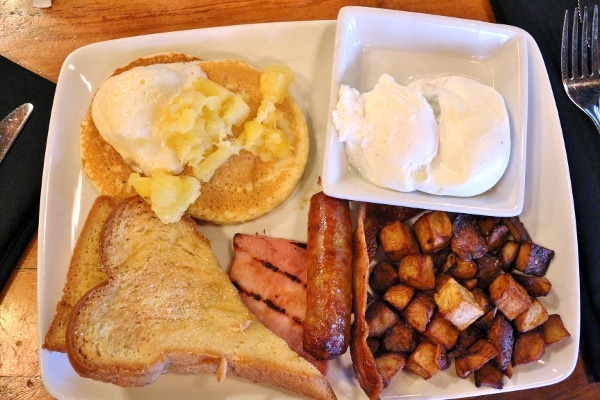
<point>11,125</point>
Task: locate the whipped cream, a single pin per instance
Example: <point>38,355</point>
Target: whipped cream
<point>127,107</point>
<point>443,135</point>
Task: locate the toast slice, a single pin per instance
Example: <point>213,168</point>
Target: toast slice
<point>169,307</point>
<point>84,272</point>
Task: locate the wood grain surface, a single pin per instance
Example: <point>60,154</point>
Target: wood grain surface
<point>41,39</point>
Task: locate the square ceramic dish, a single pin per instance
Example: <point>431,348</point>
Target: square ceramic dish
<point>370,42</point>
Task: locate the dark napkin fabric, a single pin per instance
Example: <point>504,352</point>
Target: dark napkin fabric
<point>543,19</point>
<point>21,170</point>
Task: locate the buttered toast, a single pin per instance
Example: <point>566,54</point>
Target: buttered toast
<point>83,274</point>
<point>169,307</point>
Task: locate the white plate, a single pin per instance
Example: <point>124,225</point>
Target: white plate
<point>409,46</point>
<point>305,47</point>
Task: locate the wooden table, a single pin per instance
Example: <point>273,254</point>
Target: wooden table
<point>40,39</point>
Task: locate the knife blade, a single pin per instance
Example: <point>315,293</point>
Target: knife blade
<point>11,125</point>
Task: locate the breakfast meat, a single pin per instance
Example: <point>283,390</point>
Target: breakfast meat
<point>258,133</point>
<point>329,277</point>
<point>270,274</point>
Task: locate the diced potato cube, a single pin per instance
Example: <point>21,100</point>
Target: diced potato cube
<point>510,297</point>
<point>517,229</point>
<point>441,331</point>
<point>389,364</point>
<point>433,231</point>
<point>554,330</point>
<point>508,254</point>
<point>380,317</point>
<point>531,318</point>
<point>486,224</point>
<point>529,347</point>
<point>383,276</point>
<point>536,286</point>
<point>420,310</point>
<point>457,304</point>
<point>416,270</point>
<point>399,296</point>
<point>488,268</point>
<point>501,336</point>
<point>427,360</point>
<point>497,237</point>
<point>398,240</point>
<point>459,268</point>
<point>533,259</point>
<point>400,338</point>
<point>478,354</point>
<point>467,241</point>
<point>489,375</point>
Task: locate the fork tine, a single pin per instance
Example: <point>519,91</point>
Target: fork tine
<point>564,48</point>
<point>594,44</point>
<point>574,42</point>
<point>585,42</point>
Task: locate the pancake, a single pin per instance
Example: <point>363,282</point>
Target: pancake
<point>242,189</point>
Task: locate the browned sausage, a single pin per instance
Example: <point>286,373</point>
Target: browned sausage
<point>329,277</point>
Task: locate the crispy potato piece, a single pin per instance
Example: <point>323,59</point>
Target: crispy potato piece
<point>517,229</point>
<point>529,347</point>
<point>459,268</point>
<point>400,338</point>
<point>489,375</point>
<point>486,224</point>
<point>467,241</point>
<point>510,297</point>
<point>533,317</point>
<point>496,238</point>
<point>380,317</point>
<point>427,360</point>
<point>536,286</point>
<point>501,336</point>
<point>433,231</point>
<point>485,321</point>
<point>533,259</point>
<point>440,257</point>
<point>441,331</point>
<point>383,276</point>
<point>389,364</point>
<point>398,240</point>
<point>399,296</point>
<point>466,339</point>
<point>478,354</point>
<point>488,268</point>
<point>416,270</point>
<point>457,304</point>
<point>420,310</point>
<point>554,330</point>
<point>377,216</point>
<point>508,254</point>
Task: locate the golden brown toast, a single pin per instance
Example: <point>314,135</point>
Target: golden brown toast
<point>242,189</point>
<point>84,271</point>
<point>169,307</point>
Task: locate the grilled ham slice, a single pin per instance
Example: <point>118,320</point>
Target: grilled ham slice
<point>270,274</point>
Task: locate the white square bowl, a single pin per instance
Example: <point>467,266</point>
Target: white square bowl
<point>370,42</point>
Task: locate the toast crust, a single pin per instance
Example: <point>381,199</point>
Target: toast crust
<point>84,272</point>
<point>242,189</point>
<point>169,307</point>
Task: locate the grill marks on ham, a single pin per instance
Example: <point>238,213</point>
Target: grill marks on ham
<point>270,274</point>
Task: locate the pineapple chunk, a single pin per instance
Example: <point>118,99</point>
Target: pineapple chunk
<point>169,195</point>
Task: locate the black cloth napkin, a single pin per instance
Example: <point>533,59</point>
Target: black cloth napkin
<point>543,19</point>
<point>21,170</point>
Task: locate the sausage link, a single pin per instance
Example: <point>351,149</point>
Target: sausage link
<point>329,277</point>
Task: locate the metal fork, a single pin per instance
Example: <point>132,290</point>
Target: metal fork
<point>580,76</point>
